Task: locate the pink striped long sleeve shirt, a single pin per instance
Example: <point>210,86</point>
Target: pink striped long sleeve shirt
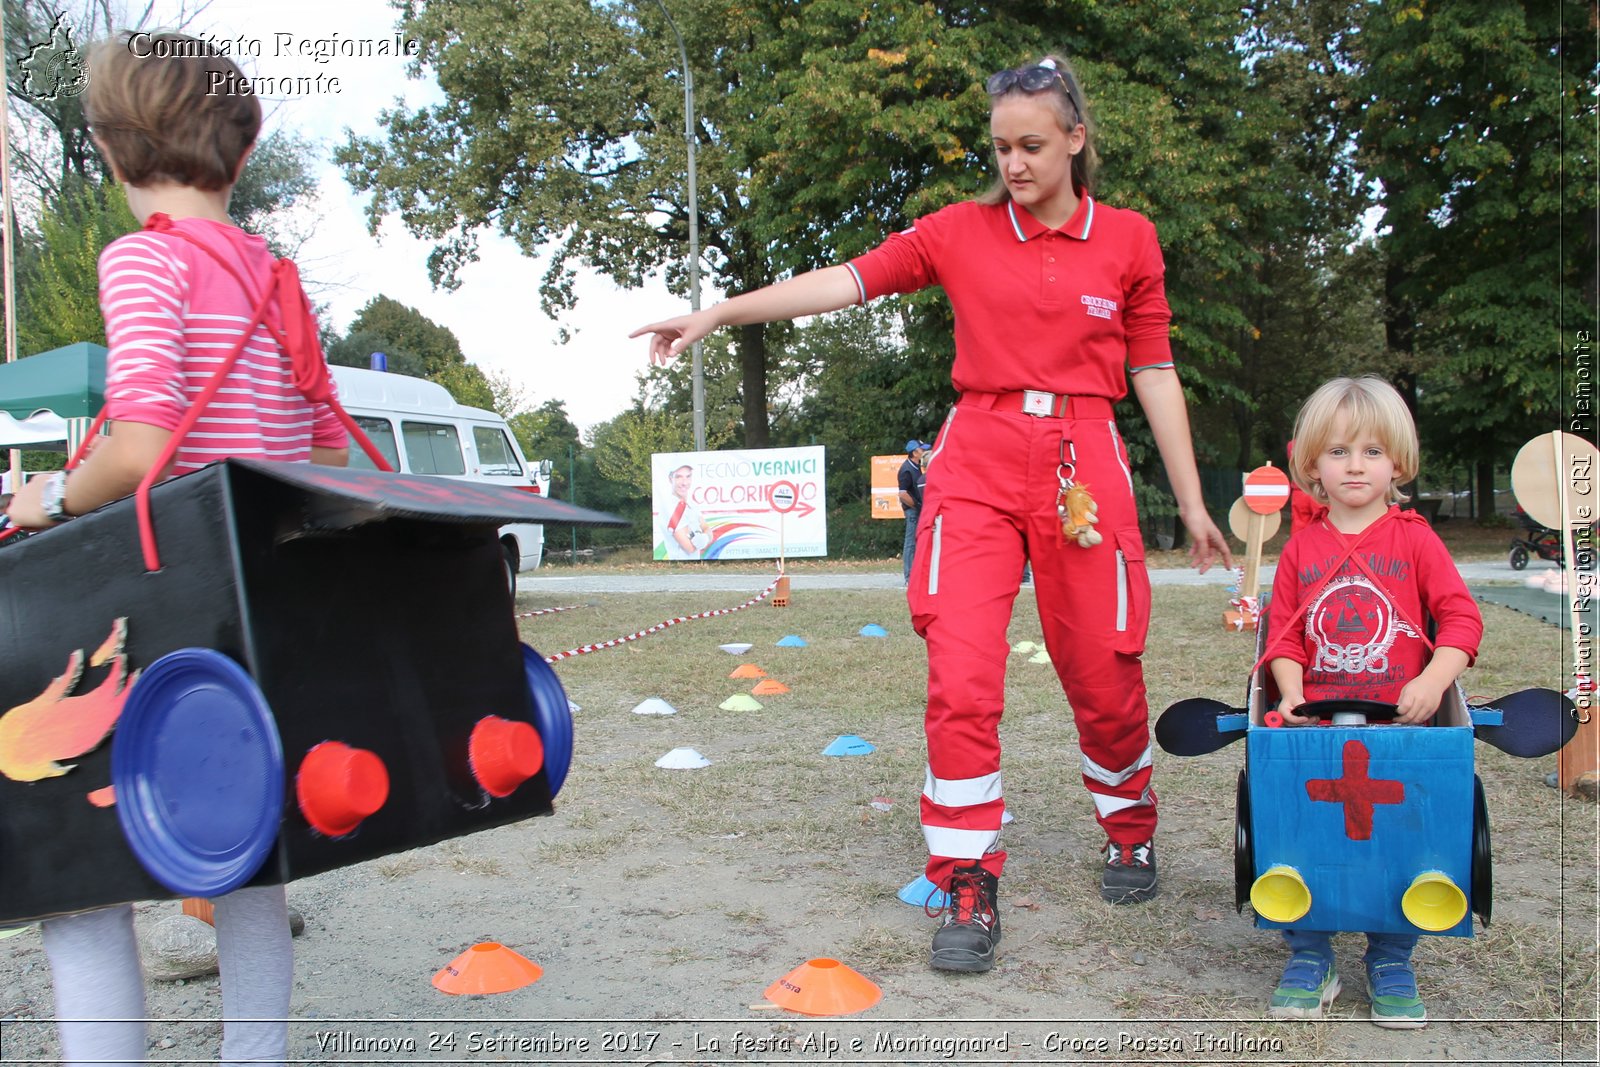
<point>172,316</point>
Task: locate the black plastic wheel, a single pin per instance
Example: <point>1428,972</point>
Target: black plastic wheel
<point>1482,858</point>
<point>1519,557</point>
<point>1244,857</point>
<point>509,554</point>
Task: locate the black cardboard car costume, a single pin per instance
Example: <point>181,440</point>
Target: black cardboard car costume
<point>362,608</point>
<point>299,668</point>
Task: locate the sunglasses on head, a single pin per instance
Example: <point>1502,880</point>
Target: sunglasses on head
<point>1028,79</point>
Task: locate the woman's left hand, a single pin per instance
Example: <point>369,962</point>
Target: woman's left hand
<point>1206,543</point>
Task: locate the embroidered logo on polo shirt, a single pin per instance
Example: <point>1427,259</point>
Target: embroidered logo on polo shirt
<point>1099,306</point>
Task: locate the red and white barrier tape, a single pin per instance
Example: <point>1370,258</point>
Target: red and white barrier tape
<point>548,611</point>
<point>658,627</point>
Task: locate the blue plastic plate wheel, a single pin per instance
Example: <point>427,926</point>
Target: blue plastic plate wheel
<point>199,773</point>
<point>552,717</point>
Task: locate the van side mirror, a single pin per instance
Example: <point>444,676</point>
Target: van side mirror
<point>545,467</point>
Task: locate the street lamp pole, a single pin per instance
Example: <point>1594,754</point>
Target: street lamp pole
<point>697,366</point>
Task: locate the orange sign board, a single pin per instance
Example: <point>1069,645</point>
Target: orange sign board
<point>886,487</point>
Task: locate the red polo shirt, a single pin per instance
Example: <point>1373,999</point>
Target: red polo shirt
<point>1059,310</point>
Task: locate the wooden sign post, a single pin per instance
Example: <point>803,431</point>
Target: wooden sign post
<point>1254,519</point>
<point>783,496</point>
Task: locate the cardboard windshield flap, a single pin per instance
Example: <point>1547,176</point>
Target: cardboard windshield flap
<point>367,612</point>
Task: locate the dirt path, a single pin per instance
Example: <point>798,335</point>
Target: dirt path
<point>662,904</point>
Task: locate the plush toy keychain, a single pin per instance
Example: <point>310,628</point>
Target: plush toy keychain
<point>1077,508</point>
<point>1079,513</point>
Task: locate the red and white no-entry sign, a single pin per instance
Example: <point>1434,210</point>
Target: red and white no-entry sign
<point>1266,490</point>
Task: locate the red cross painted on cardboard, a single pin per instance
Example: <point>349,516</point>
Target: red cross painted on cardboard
<point>1358,793</point>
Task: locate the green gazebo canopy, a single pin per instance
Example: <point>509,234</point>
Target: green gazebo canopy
<point>68,381</point>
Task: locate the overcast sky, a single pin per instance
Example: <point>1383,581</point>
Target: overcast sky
<point>495,313</point>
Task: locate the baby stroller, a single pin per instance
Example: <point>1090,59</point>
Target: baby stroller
<point>1534,540</point>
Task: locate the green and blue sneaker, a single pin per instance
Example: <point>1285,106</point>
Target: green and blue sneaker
<point>1309,984</point>
<point>1392,989</point>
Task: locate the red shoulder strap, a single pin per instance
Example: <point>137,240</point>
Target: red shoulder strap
<point>1328,576</point>
<point>296,334</point>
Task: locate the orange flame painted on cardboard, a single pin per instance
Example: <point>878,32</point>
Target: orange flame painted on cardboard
<point>54,726</point>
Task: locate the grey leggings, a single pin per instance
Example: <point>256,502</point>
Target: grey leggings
<point>100,1012</point>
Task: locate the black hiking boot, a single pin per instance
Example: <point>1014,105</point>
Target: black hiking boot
<point>1130,874</point>
<point>971,927</point>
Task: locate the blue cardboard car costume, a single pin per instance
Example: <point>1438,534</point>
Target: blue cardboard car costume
<point>1359,824</point>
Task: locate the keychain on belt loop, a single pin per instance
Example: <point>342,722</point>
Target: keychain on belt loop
<point>1074,505</point>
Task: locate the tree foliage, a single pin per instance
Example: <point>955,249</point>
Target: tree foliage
<point>50,144</point>
<point>58,285</point>
<point>467,384</point>
<point>824,125</point>
<point>1258,137</point>
<point>1478,121</point>
<point>52,150</point>
<point>68,208</point>
<point>671,388</point>
<point>622,446</point>
<point>278,182</point>
<point>548,432</point>
<point>416,345</point>
<point>563,127</point>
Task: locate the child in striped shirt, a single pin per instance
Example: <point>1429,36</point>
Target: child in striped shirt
<point>175,305</point>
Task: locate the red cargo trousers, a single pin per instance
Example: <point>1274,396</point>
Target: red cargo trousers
<point>990,503</point>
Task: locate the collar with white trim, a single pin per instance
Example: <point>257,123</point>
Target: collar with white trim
<point>1026,227</point>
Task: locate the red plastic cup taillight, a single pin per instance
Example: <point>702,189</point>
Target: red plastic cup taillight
<point>339,786</point>
<point>503,754</point>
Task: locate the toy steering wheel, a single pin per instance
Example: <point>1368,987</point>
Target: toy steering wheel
<point>1374,710</point>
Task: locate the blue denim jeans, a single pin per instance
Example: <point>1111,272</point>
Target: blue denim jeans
<point>909,549</point>
<point>1379,946</point>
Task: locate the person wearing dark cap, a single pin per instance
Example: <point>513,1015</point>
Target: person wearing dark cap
<point>911,478</point>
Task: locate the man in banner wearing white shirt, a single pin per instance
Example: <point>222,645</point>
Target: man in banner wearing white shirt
<point>680,526</point>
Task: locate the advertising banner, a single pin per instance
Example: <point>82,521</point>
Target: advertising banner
<point>886,487</point>
<point>739,504</point>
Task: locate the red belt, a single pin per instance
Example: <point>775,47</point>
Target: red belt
<point>1041,404</point>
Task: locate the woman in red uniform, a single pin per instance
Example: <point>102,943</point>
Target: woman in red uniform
<point>1059,302</point>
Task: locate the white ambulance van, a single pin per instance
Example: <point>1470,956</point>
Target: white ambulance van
<point>420,429</point>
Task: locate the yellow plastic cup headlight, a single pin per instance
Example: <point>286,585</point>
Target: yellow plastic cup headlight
<point>1433,902</point>
<point>1280,895</point>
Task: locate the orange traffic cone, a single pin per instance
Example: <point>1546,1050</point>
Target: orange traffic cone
<point>824,987</point>
<point>201,909</point>
<point>769,686</point>
<point>748,670</point>
<point>487,968</point>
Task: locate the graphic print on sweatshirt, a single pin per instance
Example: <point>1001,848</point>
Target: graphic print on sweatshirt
<point>1352,628</point>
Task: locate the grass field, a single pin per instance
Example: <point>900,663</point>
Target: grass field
<point>771,813</point>
<point>1468,542</point>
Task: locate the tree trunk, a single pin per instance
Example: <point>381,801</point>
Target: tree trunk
<point>1400,335</point>
<point>1485,491</point>
<point>1245,422</point>
<point>753,375</point>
